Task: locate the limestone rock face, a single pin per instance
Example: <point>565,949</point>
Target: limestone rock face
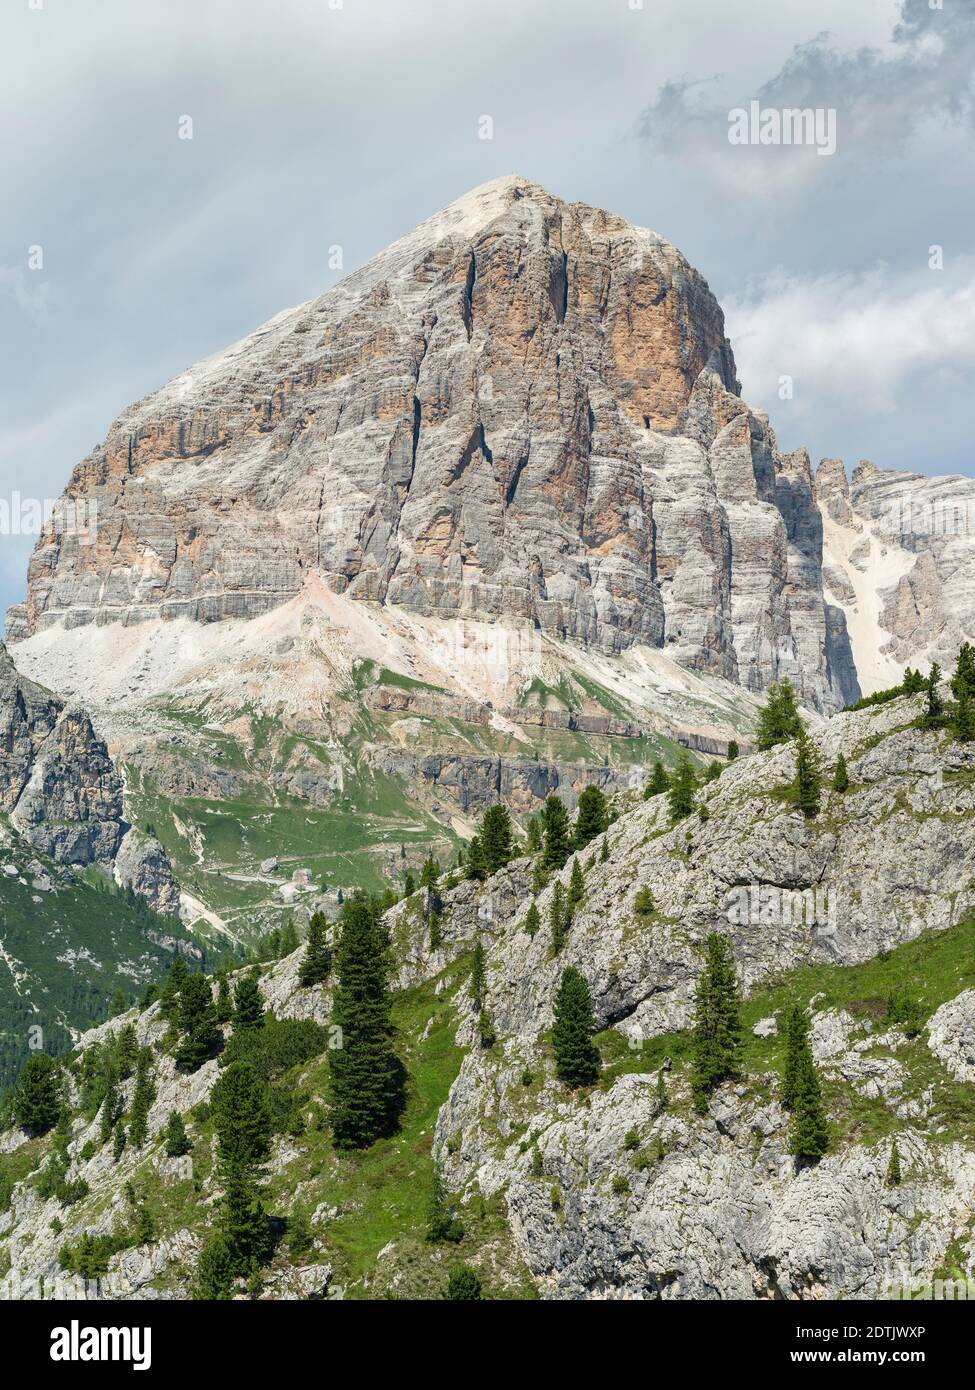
<point>952,1035</point>
<point>28,713</point>
<point>525,408</point>
<point>143,865</point>
<point>900,565</point>
<point>71,807</point>
<point>475,783</point>
<point>57,782</point>
<point>63,793</point>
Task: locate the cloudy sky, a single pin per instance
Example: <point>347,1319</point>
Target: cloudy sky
<point>321,122</point>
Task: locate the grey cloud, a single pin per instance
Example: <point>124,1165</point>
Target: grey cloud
<point>883,96</point>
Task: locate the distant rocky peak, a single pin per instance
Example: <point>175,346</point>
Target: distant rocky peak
<point>64,794</point>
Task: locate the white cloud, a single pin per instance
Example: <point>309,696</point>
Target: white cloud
<point>869,340</point>
<point>29,291</point>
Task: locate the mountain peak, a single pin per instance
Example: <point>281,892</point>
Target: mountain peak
<point>525,409</point>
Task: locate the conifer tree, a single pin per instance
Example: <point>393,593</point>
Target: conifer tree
<point>576,1055</point>
<point>577,884</point>
<point>532,919</point>
<point>436,931</point>
<point>661,1090</point>
<point>809,1135</point>
<point>557,845</point>
<point>496,837</point>
<point>778,719</point>
<point>169,998</point>
<point>118,1142</point>
<point>604,852</point>
<point>732,750</point>
<point>713,771</point>
<point>145,1226</point>
<point>893,1174</point>
<point>430,872</point>
<point>682,789</point>
<point>197,1020</point>
<point>300,1235</point>
<point>126,1051</point>
<point>463,1285</point>
<point>559,917</point>
<point>796,1039</point>
<point>486,1034</point>
<point>317,960</point>
<point>215,1270</point>
<point>534,841</point>
<point>118,1005</point>
<point>442,1224</point>
<point>474,860</point>
<point>485,1028</point>
<point>149,995</point>
<point>964,677</point>
<point>716,1042</point>
<point>176,1141</point>
<point>225,1004</point>
<point>808,783</point>
<point>934,712</point>
<point>365,1090</point>
<point>248,1004</point>
<point>659,782</point>
<point>841,778</point>
<point>36,1098</point>
<point>268,946</point>
<point>62,1131</point>
<point>409,885</point>
<point>242,1118</point>
<point>540,877</point>
<point>142,1097</point>
<point>592,817</point>
<point>963,718</point>
<point>111,1105</point>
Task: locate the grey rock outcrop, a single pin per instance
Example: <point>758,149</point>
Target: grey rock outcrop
<point>63,792</point>
<point>900,563</point>
<point>142,865</point>
<point>951,1035</point>
<point>474,783</point>
<point>57,782</point>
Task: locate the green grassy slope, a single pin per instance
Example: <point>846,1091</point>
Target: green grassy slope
<point>65,952</point>
<point>927,972</point>
<point>350,835</point>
